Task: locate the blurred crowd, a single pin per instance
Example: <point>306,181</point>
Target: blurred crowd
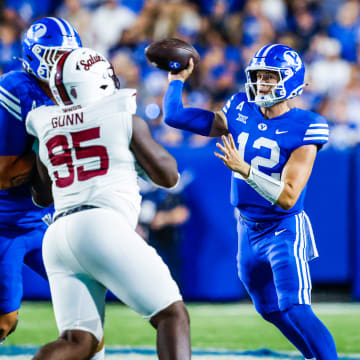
<point>226,34</point>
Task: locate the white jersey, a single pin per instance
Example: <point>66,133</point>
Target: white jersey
<point>86,152</point>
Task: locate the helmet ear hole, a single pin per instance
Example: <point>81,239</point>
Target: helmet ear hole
<point>103,87</point>
<point>73,92</point>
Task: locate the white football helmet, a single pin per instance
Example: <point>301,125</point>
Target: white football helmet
<point>82,76</point>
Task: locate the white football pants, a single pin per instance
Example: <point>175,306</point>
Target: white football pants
<point>86,253</point>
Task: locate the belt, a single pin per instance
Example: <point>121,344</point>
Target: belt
<point>74,210</point>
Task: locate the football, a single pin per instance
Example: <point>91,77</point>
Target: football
<point>171,54</point>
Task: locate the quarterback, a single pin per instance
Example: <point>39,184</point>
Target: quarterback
<point>271,150</point>
<point>88,149</point>
<point>22,224</point>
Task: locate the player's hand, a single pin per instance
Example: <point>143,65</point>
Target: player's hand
<point>231,157</point>
<point>184,74</point>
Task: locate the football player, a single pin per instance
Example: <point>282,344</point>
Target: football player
<point>89,146</point>
<point>271,150</point>
<point>22,224</point>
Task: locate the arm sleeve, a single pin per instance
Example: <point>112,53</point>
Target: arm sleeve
<point>198,121</point>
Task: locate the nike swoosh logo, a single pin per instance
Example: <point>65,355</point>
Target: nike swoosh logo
<point>279,232</point>
<point>278,132</point>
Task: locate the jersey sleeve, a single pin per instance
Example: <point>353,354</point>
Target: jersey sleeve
<point>127,101</point>
<point>128,126</point>
<point>227,105</point>
<point>12,129</point>
<point>13,134</point>
<point>316,131</point>
<point>235,110</point>
<point>30,124</point>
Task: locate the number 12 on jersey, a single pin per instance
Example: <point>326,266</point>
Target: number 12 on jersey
<point>257,161</point>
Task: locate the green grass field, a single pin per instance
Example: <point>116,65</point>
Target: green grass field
<point>225,326</point>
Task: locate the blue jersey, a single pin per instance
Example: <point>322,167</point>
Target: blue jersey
<point>267,144</point>
<point>19,93</point>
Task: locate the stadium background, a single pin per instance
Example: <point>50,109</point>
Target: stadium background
<point>194,228</point>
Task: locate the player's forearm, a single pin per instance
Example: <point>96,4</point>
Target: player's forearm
<point>160,167</point>
<point>154,159</point>
<point>296,174</point>
<point>288,197</point>
<point>41,185</point>
<point>198,121</point>
<point>15,171</point>
<point>41,195</point>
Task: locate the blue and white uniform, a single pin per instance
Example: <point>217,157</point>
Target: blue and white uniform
<point>22,224</point>
<point>275,245</point>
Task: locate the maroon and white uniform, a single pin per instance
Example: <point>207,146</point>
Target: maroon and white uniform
<point>86,151</point>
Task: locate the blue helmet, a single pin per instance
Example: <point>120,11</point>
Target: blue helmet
<point>286,63</point>
<point>43,42</point>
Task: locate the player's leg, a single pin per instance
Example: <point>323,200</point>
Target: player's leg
<point>121,260</point>
<point>12,251</point>
<point>78,303</point>
<point>322,345</point>
<point>257,277</point>
<point>8,323</point>
<point>169,323</point>
<point>289,261</point>
<point>33,243</point>
<point>282,321</point>
<point>35,224</point>
<point>71,345</point>
<point>78,300</point>
<point>100,351</point>
<point>34,260</point>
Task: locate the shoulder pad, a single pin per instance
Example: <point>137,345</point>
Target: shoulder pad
<point>126,99</point>
<point>13,81</point>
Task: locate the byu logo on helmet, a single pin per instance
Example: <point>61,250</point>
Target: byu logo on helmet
<point>40,52</point>
<point>293,58</point>
<point>38,30</point>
